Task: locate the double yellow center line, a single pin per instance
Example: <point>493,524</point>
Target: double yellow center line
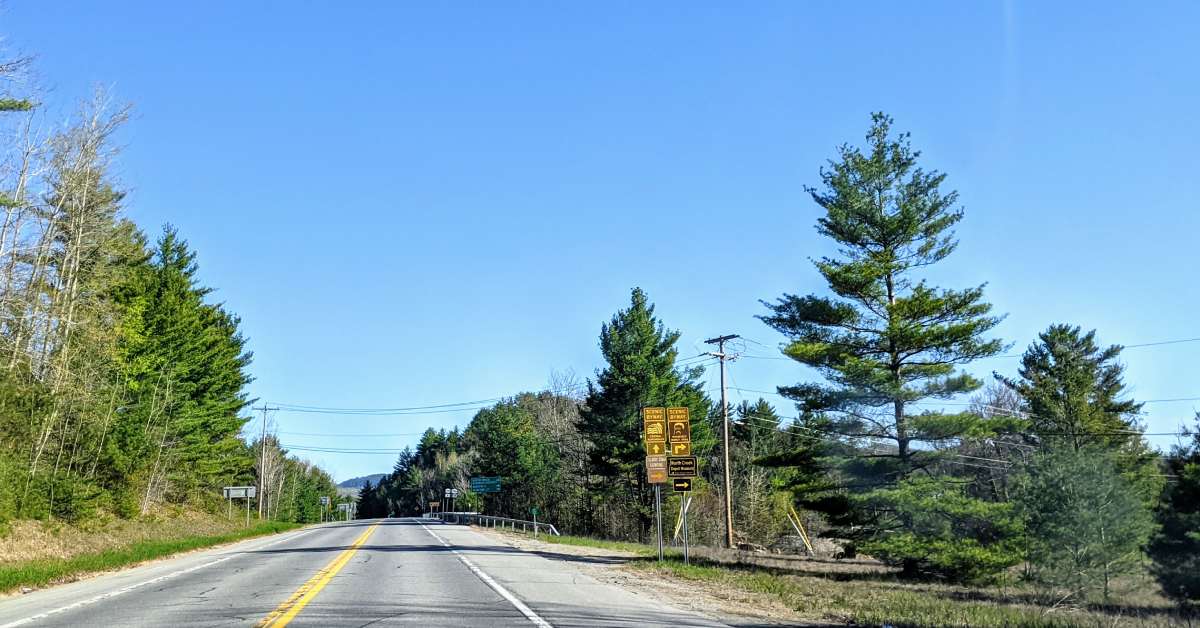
<point>287,611</point>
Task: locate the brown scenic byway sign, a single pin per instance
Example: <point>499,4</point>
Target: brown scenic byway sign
<point>654,421</point>
<point>656,469</point>
<point>681,449</point>
<point>681,485</point>
<point>680,425</point>
<point>681,467</point>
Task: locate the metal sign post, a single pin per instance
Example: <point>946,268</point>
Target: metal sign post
<point>654,428</point>
<point>681,465</point>
<point>683,486</point>
<point>248,492</point>
<point>686,504</point>
<point>658,516</point>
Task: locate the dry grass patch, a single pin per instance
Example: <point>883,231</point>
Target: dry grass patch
<point>40,572</point>
<point>35,540</point>
<point>883,600</point>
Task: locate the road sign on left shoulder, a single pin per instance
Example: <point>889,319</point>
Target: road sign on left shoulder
<point>681,485</point>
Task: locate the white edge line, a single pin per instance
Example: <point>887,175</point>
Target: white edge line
<point>496,586</point>
<point>137,585</point>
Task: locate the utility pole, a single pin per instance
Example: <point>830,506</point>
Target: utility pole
<point>720,355</point>
<point>262,461</point>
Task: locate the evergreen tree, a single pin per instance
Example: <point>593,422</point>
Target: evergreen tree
<point>1085,522</point>
<point>640,353</point>
<point>505,443</point>
<point>184,370</point>
<point>1071,389</point>
<point>1175,548</point>
<point>886,340</point>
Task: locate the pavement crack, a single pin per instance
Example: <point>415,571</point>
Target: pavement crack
<point>205,592</point>
<point>379,619</point>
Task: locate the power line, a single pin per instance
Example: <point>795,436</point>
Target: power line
<point>1164,342</point>
<point>341,434</point>
<point>1016,355</point>
<point>962,403</point>
<point>460,406</point>
<point>343,450</point>
<point>783,427</point>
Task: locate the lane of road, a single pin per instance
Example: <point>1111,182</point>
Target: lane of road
<point>380,572</point>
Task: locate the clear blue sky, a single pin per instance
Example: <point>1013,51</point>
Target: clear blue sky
<point>412,205</point>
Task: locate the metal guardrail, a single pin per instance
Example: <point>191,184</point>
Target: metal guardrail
<point>487,521</point>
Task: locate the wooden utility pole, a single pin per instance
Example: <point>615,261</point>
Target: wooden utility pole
<point>262,461</point>
<point>720,355</point>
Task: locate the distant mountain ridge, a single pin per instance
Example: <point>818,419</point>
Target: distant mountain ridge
<point>359,481</point>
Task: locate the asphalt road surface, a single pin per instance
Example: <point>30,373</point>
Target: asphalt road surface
<point>377,572</point>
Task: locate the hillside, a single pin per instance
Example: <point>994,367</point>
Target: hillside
<point>356,483</point>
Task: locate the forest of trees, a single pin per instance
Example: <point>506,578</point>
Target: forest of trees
<point>1043,474</point>
<point>122,385</point>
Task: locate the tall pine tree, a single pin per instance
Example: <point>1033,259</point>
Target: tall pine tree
<point>886,341</point>
<point>641,354</point>
<point>184,364</point>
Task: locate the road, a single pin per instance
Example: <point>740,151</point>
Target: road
<point>374,572</point>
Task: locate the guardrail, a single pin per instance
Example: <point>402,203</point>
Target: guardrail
<point>487,521</point>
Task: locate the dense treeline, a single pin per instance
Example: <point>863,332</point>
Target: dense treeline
<point>1043,475</point>
<point>121,384</point>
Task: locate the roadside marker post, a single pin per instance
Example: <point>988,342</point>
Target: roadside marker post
<point>687,501</point>
<point>658,516</point>
<point>681,465</point>
<point>654,423</point>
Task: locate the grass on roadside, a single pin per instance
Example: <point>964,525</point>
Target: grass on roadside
<point>583,541</point>
<point>886,601</point>
<point>877,599</point>
<point>39,573</point>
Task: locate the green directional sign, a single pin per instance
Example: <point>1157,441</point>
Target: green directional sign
<point>485,484</point>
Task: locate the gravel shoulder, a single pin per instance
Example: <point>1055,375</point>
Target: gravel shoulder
<point>617,567</point>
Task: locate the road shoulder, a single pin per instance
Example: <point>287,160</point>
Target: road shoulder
<point>617,568</point>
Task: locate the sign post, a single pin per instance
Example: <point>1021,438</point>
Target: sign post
<point>687,501</point>
<point>684,487</point>
<point>658,517</point>
<point>681,465</point>
<point>247,492</point>
<point>654,423</point>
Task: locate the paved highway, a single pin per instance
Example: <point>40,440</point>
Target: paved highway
<point>376,572</point>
